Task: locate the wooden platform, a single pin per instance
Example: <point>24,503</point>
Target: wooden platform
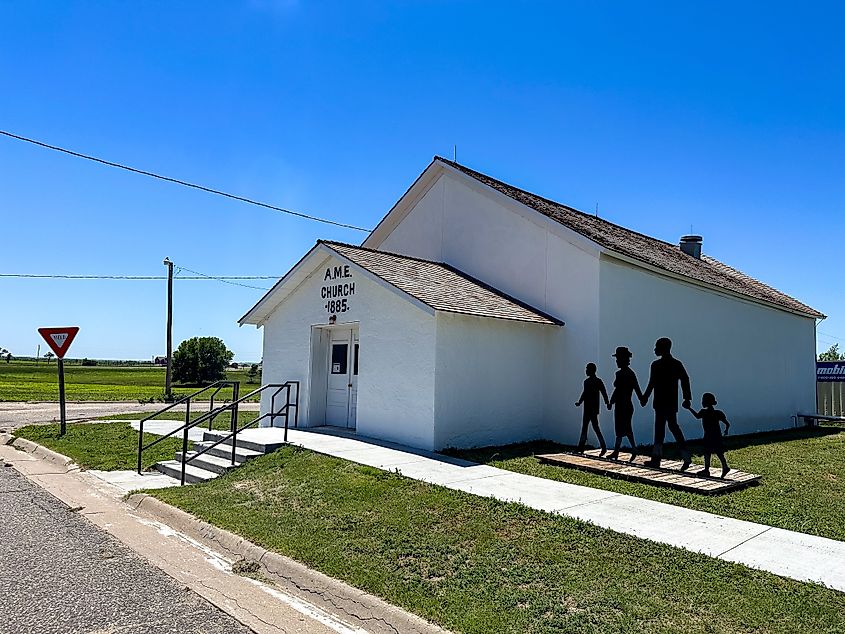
<point>669,473</point>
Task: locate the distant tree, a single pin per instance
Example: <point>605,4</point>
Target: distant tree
<point>832,354</point>
<point>87,361</point>
<point>8,357</point>
<point>201,360</point>
<point>252,373</point>
<point>48,356</point>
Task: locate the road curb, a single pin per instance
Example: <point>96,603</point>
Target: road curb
<point>358,607</point>
<point>41,452</point>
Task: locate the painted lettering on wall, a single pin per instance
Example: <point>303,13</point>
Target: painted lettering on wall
<point>337,288</point>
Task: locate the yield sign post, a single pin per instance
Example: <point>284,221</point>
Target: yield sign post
<point>59,340</point>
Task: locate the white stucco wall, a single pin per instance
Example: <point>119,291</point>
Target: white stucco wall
<point>526,255</point>
<point>490,382</point>
<point>397,349</point>
<point>758,361</point>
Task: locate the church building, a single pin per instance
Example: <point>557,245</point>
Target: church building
<point>466,318</point>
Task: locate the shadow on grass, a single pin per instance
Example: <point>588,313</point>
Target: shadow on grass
<point>532,448</point>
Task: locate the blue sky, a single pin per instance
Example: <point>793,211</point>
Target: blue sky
<point>726,117</point>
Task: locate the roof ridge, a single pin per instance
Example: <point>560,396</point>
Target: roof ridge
<point>653,252</point>
<point>470,172</point>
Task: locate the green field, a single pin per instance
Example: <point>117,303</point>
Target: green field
<point>29,381</point>
<point>802,488</point>
<point>477,565</point>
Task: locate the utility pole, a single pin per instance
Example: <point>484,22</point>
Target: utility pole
<point>169,265</point>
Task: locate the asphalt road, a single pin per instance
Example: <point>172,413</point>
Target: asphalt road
<point>60,573</point>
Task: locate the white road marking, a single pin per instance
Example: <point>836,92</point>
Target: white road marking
<point>224,564</point>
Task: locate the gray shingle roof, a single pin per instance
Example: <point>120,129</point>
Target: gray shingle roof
<point>658,253</point>
<point>440,286</point>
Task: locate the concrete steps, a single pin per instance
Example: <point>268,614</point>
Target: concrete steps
<point>217,460</point>
<point>193,474</point>
<point>217,464</point>
<point>262,448</point>
<point>225,451</point>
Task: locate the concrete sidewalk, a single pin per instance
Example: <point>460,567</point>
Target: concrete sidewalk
<point>787,553</point>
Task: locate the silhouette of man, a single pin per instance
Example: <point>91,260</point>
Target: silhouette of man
<point>666,373</point>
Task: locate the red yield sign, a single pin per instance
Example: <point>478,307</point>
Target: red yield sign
<point>59,339</point>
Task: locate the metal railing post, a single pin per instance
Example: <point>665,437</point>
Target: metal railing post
<point>236,391</point>
<point>211,409</point>
<point>140,444</point>
<point>287,410</point>
<point>185,438</point>
<point>296,406</point>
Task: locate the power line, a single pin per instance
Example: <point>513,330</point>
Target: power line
<point>181,182</point>
<point>226,280</point>
<point>824,334</point>
<point>199,276</point>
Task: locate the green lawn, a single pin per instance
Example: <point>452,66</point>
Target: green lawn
<point>106,446</point>
<point>29,381</point>
<point>803,485</point>
<point>221,422</point>
<point>478,565</point>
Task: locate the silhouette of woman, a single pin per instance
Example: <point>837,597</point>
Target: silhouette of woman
<point>624,387</point>
<point>593,388</point>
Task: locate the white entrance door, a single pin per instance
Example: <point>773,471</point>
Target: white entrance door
<point>342,382</point>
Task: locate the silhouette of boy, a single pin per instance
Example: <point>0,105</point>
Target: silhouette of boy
<point>663,380</point>
<point>710,419</point>
<point>593,388</point>
<point>624,387</point>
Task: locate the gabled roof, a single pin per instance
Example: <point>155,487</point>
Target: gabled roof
<point>643,248</point>
<point>438,286</point>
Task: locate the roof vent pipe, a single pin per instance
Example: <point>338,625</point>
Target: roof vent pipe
<point>691,245</point>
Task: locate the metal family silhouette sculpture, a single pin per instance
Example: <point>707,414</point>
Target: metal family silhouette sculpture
<point>666,373</point>
<point>710,419</point>
<point>625,385</point>
<point>593,388</point>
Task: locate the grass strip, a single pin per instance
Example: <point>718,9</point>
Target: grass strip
<point>478,565</point>
<point>104,446</point>
<point>802,489</point>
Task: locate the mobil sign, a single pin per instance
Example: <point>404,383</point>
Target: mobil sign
<point>827,371</point>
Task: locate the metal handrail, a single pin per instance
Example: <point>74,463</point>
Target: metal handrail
<point>219,385</point>
<point>235,430</point>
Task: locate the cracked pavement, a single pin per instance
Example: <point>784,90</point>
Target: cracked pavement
<point>60,573</point>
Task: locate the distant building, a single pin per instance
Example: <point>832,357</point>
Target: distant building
<point>159,360</point>
<point>474,307</point>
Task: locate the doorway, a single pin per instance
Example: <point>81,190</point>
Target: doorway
<point>342,377</point>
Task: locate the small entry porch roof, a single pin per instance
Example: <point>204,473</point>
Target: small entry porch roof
<point>434,286</point>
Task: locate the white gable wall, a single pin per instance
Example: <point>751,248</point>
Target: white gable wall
<point>523,254</point>
<point>758,361</point>
<point>396,369</point>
